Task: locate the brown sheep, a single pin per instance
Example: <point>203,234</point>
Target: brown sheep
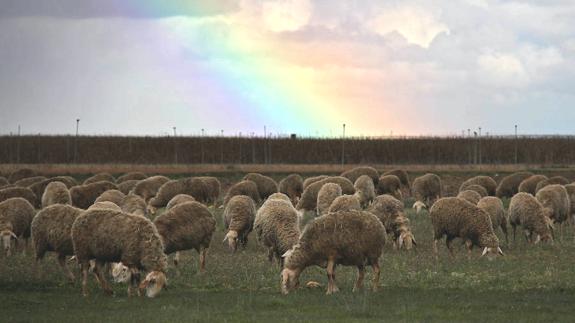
<point>364,190</point>
<point>244,187</point>
<point>390,211</point>
<point>308,201</point>
<point>488,183</point>
<point>390,184</point>
<point>23,192</point>
<point>192,186</point>
<point>40,187</point>
<point>494,207</point>
<point>85,195</point>
<point>56,193</point>
<point>26,182</point>
<point>525,210</point>
<point>354,173</point>
<point>292,186</point>
<point>426,189</point>
<point>131,176</point>
<point>560,180</point>
<point>100,178</point>
<point>147,188</point>
<point>344,203</point>
<point>105,205</point>
<point>127,186</point>
<point>310,180</point>
<point>529,185</point>
<point>403,178</point>
<point>509,185</point>
<point>556,200</point>
<point>21,174</point>
<point>179,199</point>
<point>16,215</point>
<point>114,196</point>
<point>239,216</point>
<point>476,188</point>
<point>326,195</point>
<point>471,196</point>
<point>3,182</point>
<point>571,191</point>
<point>214,189</point>
<point>266,185</point>
<point>134,204</point>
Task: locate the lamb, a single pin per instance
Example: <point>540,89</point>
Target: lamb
<point>426,189</point>
<point>147,188</point>
<point>112,236</point>
<point>127,186</point>
<point>308,201</point>
<point>529,185</point>
<point>494,208</point>
<point>509,185</point>
<point>292,186</point>
<point>56,193</point>
<point>40,187</point>
<point>23,192</point>
<point>52,231</point>
<point>364,190</point>
<point>277,226</point>
<point>471,196</point>
<point>266,185</point>
<point>187,226</point>
<point>390,184</point>
<point>344,203</point>
<point>131,177</point>
<point>114,196</point>
<point>85,195</point>
<point>26,182</point>
<point>100,178</point>
<point>556,199</point>
<point>214,189</point>
<point>244,187</point>
<point>16,214</point>
<point>457,218</point>
<point>389,211</point>
<point>525,210</point>
<point>105,205</point>
<point>310,180</point>
<point>403,178</point>
<point>486,182</point>
<point>239,216</point>
<point>21,174</point>
<point>179,199</point>
<point>476,188</point>
<point>551,181</point>
<point>134,204</point>
<point>354,173</point>
<point>349,238</point>
<point>326,195</point>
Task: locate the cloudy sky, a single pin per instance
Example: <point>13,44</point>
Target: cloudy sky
<point>304,66</point>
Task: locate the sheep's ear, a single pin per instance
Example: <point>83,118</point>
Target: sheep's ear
<point>537,239</point>
<point>484,252</point>
<point>13,235</point>
<point>413,240</point>
<point>499,251</point>
<point>287,253</point>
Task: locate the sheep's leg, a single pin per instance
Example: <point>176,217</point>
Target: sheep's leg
<point>528,236</point>
<point>177,259</point>
<point>203,253</point>
<point>504,229</point>
<point>134,282</point>
<point>330,276</point>
<point>270,255</point>
<point>376,272</point>
<point>85,268</point>
<point>469,246</point>
<point>514,230</point>
<point>450,247</point>
<point>435,251</point>
<point>359,282</point>
<point>65,269</point>
<point>99,272</point>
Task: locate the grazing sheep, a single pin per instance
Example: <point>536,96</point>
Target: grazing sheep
<point>571,191</point>
<point>56,193</point>
<point>111,236</point>
<point>244,187</point>
<point>16,214</point>
<point>106,205</point>
<point>471,196</point>
<point>147,188</point>
<point>457,218</point>
<point>476,188</point>
<point>100,178</point>
<point>127,186</point>
<point>130,177</point>
<point>354,173</point>
<point>488,183</point>
<point>344,203</point>
<point>494,207</point>
<point>308,201</point>
<point>179,199</point>
<point>525,210</point>
<point>239,216</point>
<point>114,196</point>
<point>310,180</point>
<point>21,174</point>
<point>426,189</point>
<point>509,185</point>
<point>134,204</point>
<point>52,231</point>
<point>40,187</point>
<point>326,195</point>
<point>292,186</point>
<point>23,192</point>
<point>529,185</point>
<point>214,189</point>
<point>403,178</point>
<point>187,226</point>
<point>389,211</point>
<point>266,185</point>
<point>277,226</point>
<point>364,190</point>
<point>560,180</point>
<point>192,186</point>
<point>390,184</point>
<point>349,238</point>
<point>85,195</point>
<point>556,199</point>
<point>26,182</point>
<point>3,182</point>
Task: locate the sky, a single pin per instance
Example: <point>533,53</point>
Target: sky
<point>143,67</point>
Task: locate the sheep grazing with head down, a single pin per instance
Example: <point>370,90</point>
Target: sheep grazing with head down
<point>403,179</point>
<point>127,186</point>
<point>509,185</point>
<point>266,185</point>
<point>364,190</point>
<point>114,196</point>
<point>292,186</point>
<point>131,177</point>
<point>21,174</point>
<point>16,215</point>
<point>112,236</point>
<point>100,177</point>
<point>310,180</point>
<point>348,238</point>
<point>426,189</point>
<point>40,187</point>
<point>56,193</point>
<point>23,192</point>
<point>85,195</point>
<point>555,199</point>
<point>526,211</point>
<point>326,195</point>
<point>390,184</point>
<point>134,204</point>
<point>344,203</point>
<point>478,189</point>
<point>244,187</point>
<point>494,207</point>
<point>556,180</point>
<point>147,188</point>
<point>529,185</point>
<point>213,189</point>
<point>277,226</point>
<point>571,191</point>
<point>179,199</point>
<point>389,211</point>
<point>106,205</point>
<point>26,182</point>
<point>308,201</point>
<point>471,196</point>
<point>4,182</point>
<point>191,186</point>
<point>488,183</point>
<point>239,216</point>
<point>454,217</point>
<point>354,173</point>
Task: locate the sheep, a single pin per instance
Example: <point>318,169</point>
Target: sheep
<point>99,178</point>
<point>551,181</point>
<point>16,215</point>
<point>179,199</point>
<point>525,210</point>
<point>147,188</point>
<point>488,183</point>
<point>56,193</point>
<point>326,195</point>
<point>509,185</point>
<point>187,226</point>
<point>476,188</point>
<point>344,203</point>
<point>130,177</point>
<point>292,186</point>
<point>105,205</point>
<point>3,181</point>
<point>426,189</point>
<point>529,185</point>
<point>85,195</point>
<point>364,190</point>
<point>239,216</point>
<point>127,186</point>
<point>51,230</point>
<point>390,184</point>
<point>23,192</point>
<point>310,180</point>
<point>308,201</point>
<point>244,187</point>
<point>471,196</point>
<point>114,196</point>
<point>266,185</point>
<point>457,218</point>
<point>40,187</point>
<point>403,178</point>
<point>494,208</point>
<point>277,226</point>
<point>191,186</point>
<point>354,173</point>
<point>134,204</point>
<point>348,238</point>
<point>112,236</point>
<point>571,191</point>
<point>214,189</point>
<point>556,199</point>
<point>390,211</point>
<point>26,182</point>
<point>21,174</point>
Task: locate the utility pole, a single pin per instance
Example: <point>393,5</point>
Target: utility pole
<point>343,146</point>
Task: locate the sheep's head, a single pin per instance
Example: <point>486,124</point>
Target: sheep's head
<point>120,273</point>
<point>418,206</point>
<point>290,280</point>
<point>7,236</point>
<point>151,210</point>
<point>232,239</point>
<point>153,284</point>
<point>492,252</point>
<point>407,240</point>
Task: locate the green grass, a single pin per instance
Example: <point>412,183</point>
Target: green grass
<point>531,283</point>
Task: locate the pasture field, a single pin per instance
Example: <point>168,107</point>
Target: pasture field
<point>530,283</point>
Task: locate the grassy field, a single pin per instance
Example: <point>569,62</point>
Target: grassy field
<point>531,283</point>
